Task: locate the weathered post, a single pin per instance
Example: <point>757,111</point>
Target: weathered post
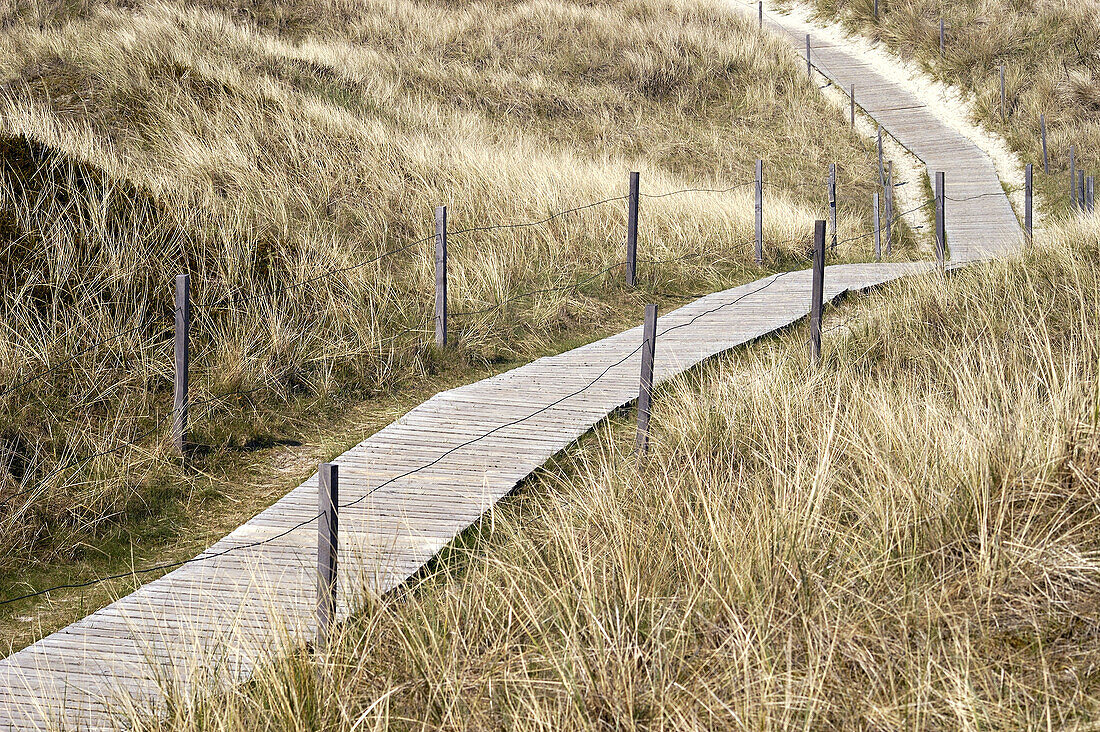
<point>1028,200</point>
<point>441,276</point>
<point>179,400</point>
<point>1003,118</point>
<point>759,211</point>
<point>1081,190</point>
<point>1072,177</point>
<point>941,232</point>
<point>1043,131</point>
<point>852,97</point>
<point>817,292</point>
<point>645,388</point>
<point>1089,200</point>
<point>889,202</point>
<point>808,67</point>
<point>878,230</point>
<point>832,203</point>
<point>941,36</point>
<point>760,13</point>
<point>881,167</point>
<point>328,493</point>
<point>632,231</point>
<point>876,10</point>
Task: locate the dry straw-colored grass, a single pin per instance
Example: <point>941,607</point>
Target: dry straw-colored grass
<point>1051,53</point>
<point>259,144</point>
<point>903,538</point>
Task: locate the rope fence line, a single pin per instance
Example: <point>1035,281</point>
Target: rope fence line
<point>562,288</point>
<point>529,224</point>
<point>316,278</point>
<point>163,420</point>
<point>382,343</point>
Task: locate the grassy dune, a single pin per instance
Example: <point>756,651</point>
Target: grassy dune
<point>1052,67</point>
<point>905,538</point>
<point>261,145</point>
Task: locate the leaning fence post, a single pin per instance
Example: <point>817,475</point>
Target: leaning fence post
<point>878,231</point>
<point>1028,202</point>
<point>1043,130</point>
<point>832,202</point>
<point>645,388</point>
<point>941,232</point>
<point>852,97</point>
<point>327,545</point>
<point>808,71</point>
<point>759,211</point>
<point>441,276</point>
<point>1003,93</point>
<point>817,292</point>
<point>179,400</point>
<point>1072,177</point>
<point>889,202</point>
<point>632,231</point>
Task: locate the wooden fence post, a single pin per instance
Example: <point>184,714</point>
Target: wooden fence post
<point>179,400</point>
<point>1089,200</point>
<point>1003,117</point>
<point>645,389</point>
<point>878,230</point>
<point>881,167</point>
<point>832,203</point>
<point>759,211</point>
<point>1081,190</point>
<point>941,37</point>
<point>809,72</point>
<point>817,292</point>
<point>1072,177</point>
<point>328,501</point>
<point>889,203</point>
<point>852,97</point>
<point>876,11</point>
<point>632,231</point>
<point>760,13</point>
<point>1043,130</point>
<point>1028,202</point>
<point>441,276</point>
<point>941,231</point>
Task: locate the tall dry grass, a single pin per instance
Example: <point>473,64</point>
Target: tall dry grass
<point>903,538</point>
<point>1051,53</point>
<point>258,145</point>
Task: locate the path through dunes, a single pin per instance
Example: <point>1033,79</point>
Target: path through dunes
<point>413,486</point>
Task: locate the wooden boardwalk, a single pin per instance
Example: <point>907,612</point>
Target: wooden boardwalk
<point>416,484</point>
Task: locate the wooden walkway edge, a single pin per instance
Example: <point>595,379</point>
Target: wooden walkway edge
<point>419,482</point>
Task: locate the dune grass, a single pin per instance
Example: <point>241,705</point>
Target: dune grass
<point>1052,68</point>
<point>259,146</point>
<point>903,538</point>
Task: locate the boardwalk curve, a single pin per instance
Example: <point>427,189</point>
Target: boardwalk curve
<point>413,486</point>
